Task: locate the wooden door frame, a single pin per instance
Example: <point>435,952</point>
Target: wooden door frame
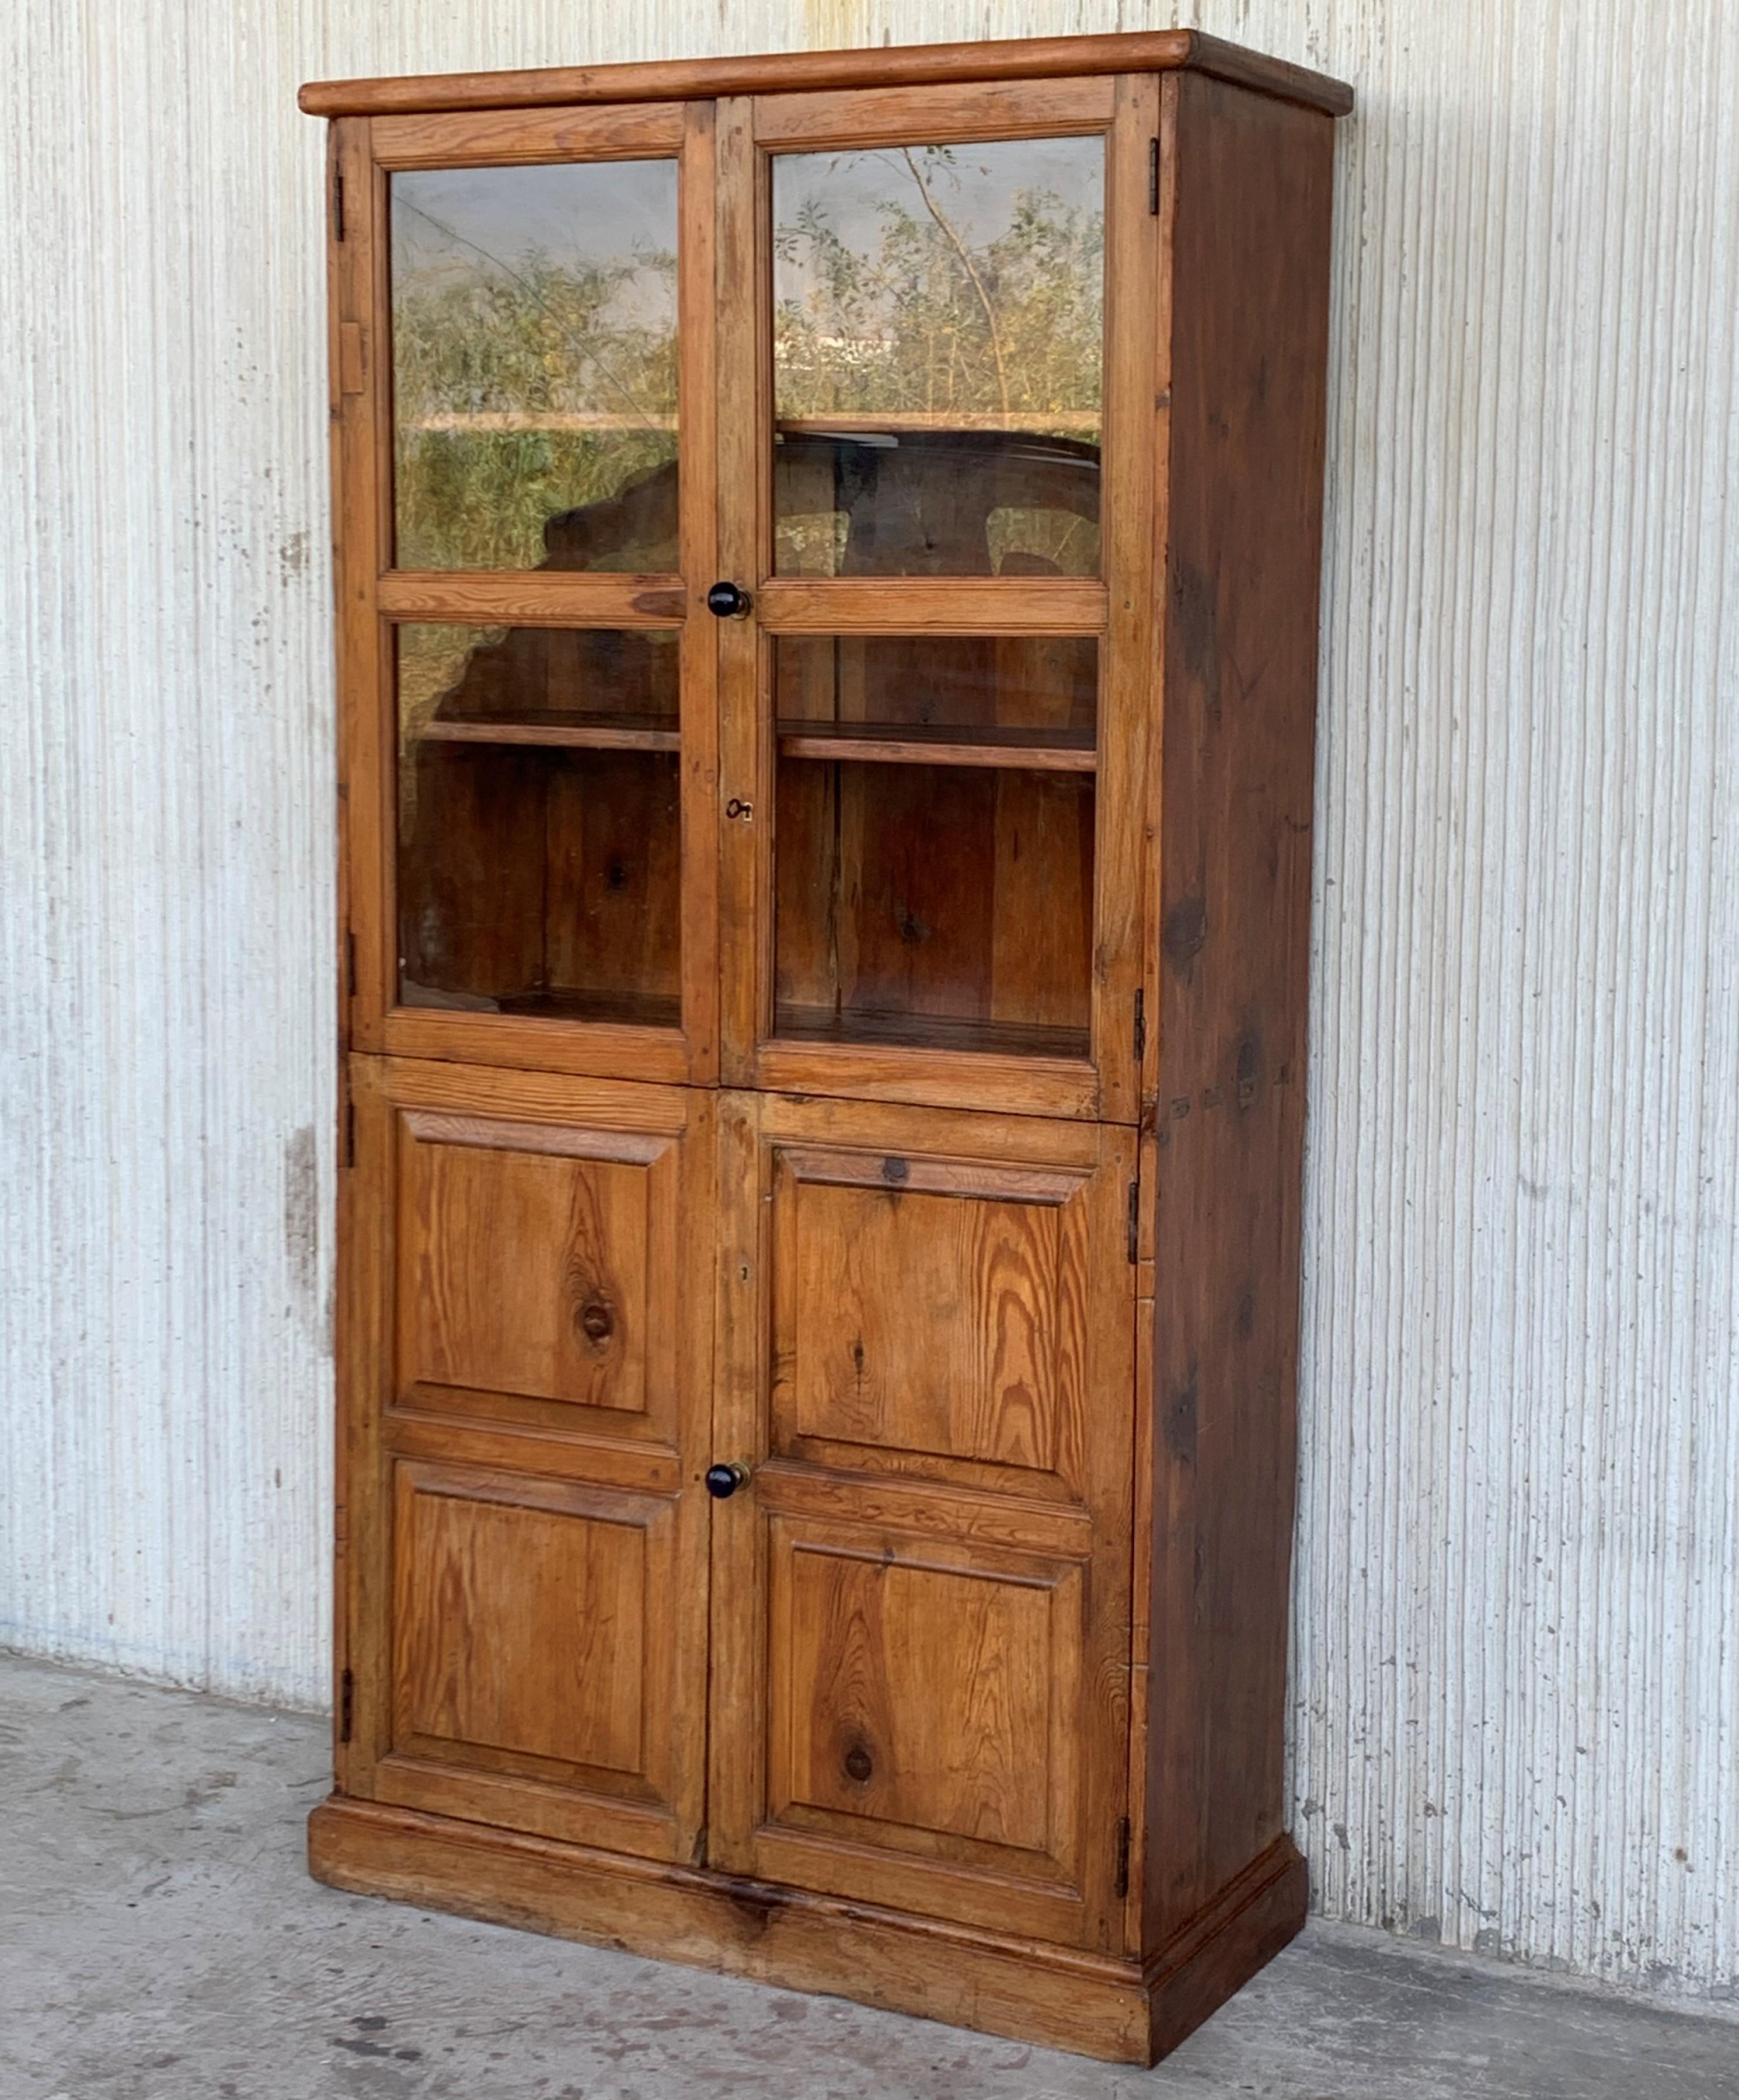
<point>1120,610</point>
<point>372,595</point>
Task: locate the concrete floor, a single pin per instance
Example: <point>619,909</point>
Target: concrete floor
<point>159,1940</point>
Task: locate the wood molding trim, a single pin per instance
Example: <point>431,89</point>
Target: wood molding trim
<point>1159,50</point>
<point>1054,1997</point>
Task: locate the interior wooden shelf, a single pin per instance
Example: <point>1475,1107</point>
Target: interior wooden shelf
<point>924,1032</point>
<point>557,1003</point>
<point>914,743</point>
<point>562,732</point>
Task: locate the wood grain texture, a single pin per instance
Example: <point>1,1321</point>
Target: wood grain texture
<point>744,449</point>
<point>930,604</point>
<point>928,1073</point>
<point>1249,319</point>
<point>543,597</point>
<point>1038,57</point>
<point>526,1270</point>
<point>507,138</point>
<point>523,1612</point>
<point>934,1323</point>
<point>913,116</point>
<point>1130,526</point>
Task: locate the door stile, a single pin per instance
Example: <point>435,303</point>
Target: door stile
<point>697,395</point>
<point>362,1543</point>
<point>357,424</point>
<point>1131,272</point>
<point>744,421</point>
<point>737,1700</point>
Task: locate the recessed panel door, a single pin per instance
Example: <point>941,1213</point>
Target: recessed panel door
<point>938,330</point>
<point>527,1395</point>
<point>921,1587</point>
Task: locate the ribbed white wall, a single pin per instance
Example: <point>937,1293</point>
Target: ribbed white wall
<point>1517,1632</point>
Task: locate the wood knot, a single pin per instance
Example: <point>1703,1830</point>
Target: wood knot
<point>895,1172</point>
<point>858,1763</point>
<point>596,1321</point>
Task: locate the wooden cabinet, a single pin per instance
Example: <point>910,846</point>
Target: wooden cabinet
<point>827,574</point>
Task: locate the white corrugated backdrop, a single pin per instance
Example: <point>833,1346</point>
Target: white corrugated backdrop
<point>1516,1650</point>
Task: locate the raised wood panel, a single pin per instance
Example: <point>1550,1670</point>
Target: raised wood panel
<point>537,1260</point>
<point>929,1308</point>
<point>927,1733</point>
<point>921,1695</point>
<point>536,1664</point>
<point>523,1614</point>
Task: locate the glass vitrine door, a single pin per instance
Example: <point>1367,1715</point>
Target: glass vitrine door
<point>937,708</point>
<point>545,510</point>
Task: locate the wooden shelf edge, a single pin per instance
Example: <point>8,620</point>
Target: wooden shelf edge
<point>555,737</point>
<point>891,749</point>
<point>1153,51</point>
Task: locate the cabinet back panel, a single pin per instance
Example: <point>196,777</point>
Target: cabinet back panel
<point>914,894</point>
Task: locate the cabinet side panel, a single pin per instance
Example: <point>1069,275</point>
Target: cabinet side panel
<point>1249,326</point>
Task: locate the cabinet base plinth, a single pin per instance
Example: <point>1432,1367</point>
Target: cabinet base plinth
<point>1058,1997</point>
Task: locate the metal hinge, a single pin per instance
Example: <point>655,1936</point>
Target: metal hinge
<point>347,1710</point>
<point>1122,1880</point>
<point>337,202</point>
<point>1140,1028</point>
<point>1135,1218</point>
<point>1153,178</point>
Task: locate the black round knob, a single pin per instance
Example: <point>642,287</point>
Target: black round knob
<point>723,1480</point>
<point>728,603</point>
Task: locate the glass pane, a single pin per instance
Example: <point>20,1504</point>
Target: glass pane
<point>939,348</point>
<point>534,315</point>
<point>539,836</point>
<point>934,842</point>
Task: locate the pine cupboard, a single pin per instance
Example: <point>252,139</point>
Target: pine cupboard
<point>827,558</point>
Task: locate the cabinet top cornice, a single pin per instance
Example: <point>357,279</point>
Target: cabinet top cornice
<point>1159,50</point>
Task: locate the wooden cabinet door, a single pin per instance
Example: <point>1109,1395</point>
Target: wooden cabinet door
<point>937,334</point>
<point>920,1616</point>
<point>524,402</point>
<point>525,1398</point>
